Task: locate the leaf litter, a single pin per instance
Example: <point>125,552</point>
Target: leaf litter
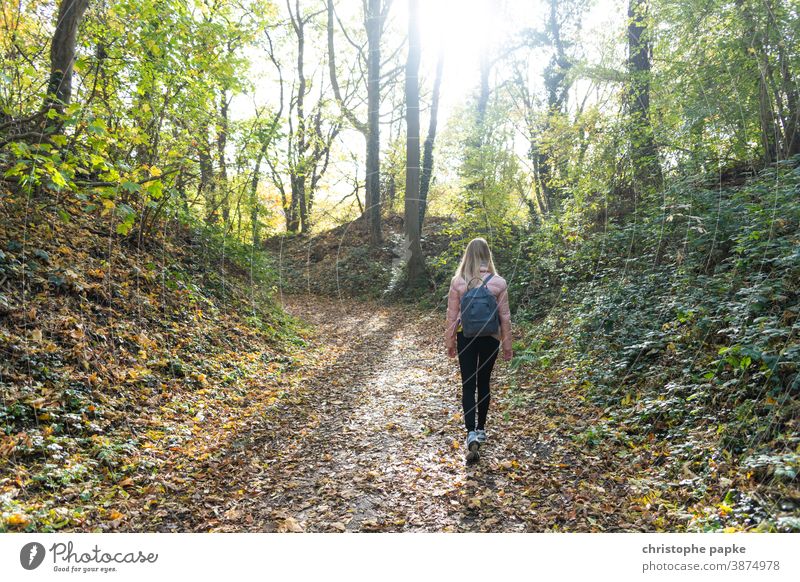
<point>372,442</point>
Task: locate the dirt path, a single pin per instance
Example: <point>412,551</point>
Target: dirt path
<point>373,441</point>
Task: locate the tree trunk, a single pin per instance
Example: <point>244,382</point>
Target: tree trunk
<point>754,47</point>
<point>539,205</point>
<point>415,262</point>
<point>302,198</point>
<point>476,187</point>
<point>427,157</point>
<point>391,190</point>
<point>644,155</point>
<point>792,129</point>
<point>180,179</point>
<point>254,202</point>
<point>557,89</point>
<point>768,122</point>
<point>301,141</point>
<point>222,141</point>
<point>476,140</point>
<point>293,217</point>
<point>483,98</point>
<point>62,53</point>
<point>374,24</point>
<point>207,185</point>
<point>790,112</point>
<point>370,130</point>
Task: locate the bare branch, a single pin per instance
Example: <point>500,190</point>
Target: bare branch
<point>361,127</point>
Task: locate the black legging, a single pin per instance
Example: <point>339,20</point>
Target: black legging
<point>476,356</point>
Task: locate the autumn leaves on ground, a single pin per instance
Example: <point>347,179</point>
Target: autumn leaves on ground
<point>157,389</point>
<point>373,442</point>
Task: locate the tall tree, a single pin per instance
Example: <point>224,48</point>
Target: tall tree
<point>475,166</point>
<point>413,225</point>
<point>375,13</point>
<point>298,140</point>
<point>374,24</point>
<point>62,52</point>
<point>765,44</point>
<point>557,84</point>
<point>207,186</point>
<point>543,115</point>
<point>222,144</point>
<point>311,127</point>
<point>427,156</point>
<point>643,152</point>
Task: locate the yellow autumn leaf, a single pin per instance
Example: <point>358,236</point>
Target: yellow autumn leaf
<point>18,520</point>
<point>38,402</point>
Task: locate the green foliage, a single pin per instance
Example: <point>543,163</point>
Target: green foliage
<point>491,182</point>
<point>144,102</point>
<point>683,319</point>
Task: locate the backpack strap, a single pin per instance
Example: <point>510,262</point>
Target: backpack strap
<point>483,282</point>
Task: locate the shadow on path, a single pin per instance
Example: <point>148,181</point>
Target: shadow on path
<point>369,437</point>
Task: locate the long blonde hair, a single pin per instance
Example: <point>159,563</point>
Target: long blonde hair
<point>476,254</point>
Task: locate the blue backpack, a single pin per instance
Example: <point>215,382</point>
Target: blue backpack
<point>479,311</point>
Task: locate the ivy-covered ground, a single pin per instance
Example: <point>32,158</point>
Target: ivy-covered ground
<point>684,326</point>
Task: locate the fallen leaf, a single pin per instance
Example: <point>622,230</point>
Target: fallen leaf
<point>290,524</point>
<point>18,519</point>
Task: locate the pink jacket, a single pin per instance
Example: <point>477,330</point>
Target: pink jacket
<point>499,288</point>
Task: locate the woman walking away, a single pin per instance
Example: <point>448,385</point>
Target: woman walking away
<point>478,325</point>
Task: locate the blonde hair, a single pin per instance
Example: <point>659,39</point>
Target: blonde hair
<point>476,254</point>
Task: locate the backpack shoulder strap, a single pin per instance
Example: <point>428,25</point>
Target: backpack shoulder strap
<point>483,281</point>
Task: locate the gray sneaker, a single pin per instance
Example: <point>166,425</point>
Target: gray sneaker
<point>480,434</point>
<point>472,447</point>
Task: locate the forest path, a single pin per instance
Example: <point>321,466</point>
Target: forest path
<point>371,439</point>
